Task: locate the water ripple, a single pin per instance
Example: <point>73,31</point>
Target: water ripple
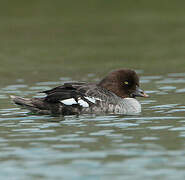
<point>81,147</point>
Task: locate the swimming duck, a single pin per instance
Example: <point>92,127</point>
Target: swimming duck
<point>114,94</point>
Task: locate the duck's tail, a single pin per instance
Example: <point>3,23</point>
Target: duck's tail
<point>36,105</point>
<point>21,101</point>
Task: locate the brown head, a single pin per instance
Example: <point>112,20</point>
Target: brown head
<point>123,82</point>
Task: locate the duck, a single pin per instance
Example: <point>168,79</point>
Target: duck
<point>115,94</point>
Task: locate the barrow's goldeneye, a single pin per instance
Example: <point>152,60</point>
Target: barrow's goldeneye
<point>115,94</point>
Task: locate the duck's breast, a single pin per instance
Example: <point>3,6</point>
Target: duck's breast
<point>128,106</point>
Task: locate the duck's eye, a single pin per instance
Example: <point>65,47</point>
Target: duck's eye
<point>126,82</point>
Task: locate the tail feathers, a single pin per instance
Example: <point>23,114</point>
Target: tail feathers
<point>21,101</point>
<point>29,104</point>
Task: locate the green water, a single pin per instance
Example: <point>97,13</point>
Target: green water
<point>41,40</point>
<point>44,43</point>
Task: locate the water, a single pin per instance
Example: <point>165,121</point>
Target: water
<point>44,44</point>
<point>149,146</point>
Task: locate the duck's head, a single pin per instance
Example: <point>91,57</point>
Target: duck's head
<point>124,83</point>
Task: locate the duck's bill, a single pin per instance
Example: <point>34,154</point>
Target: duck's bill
<point>139,93</point>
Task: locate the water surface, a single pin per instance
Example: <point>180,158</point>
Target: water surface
<point>150,145</point>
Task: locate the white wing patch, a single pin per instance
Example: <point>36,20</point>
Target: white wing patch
<point>69,101</point>
<point>83,103</point>
<point>80,101</point>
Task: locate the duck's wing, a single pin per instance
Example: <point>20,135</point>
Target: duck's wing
<point>73,90</point>
<point>65,86</point>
